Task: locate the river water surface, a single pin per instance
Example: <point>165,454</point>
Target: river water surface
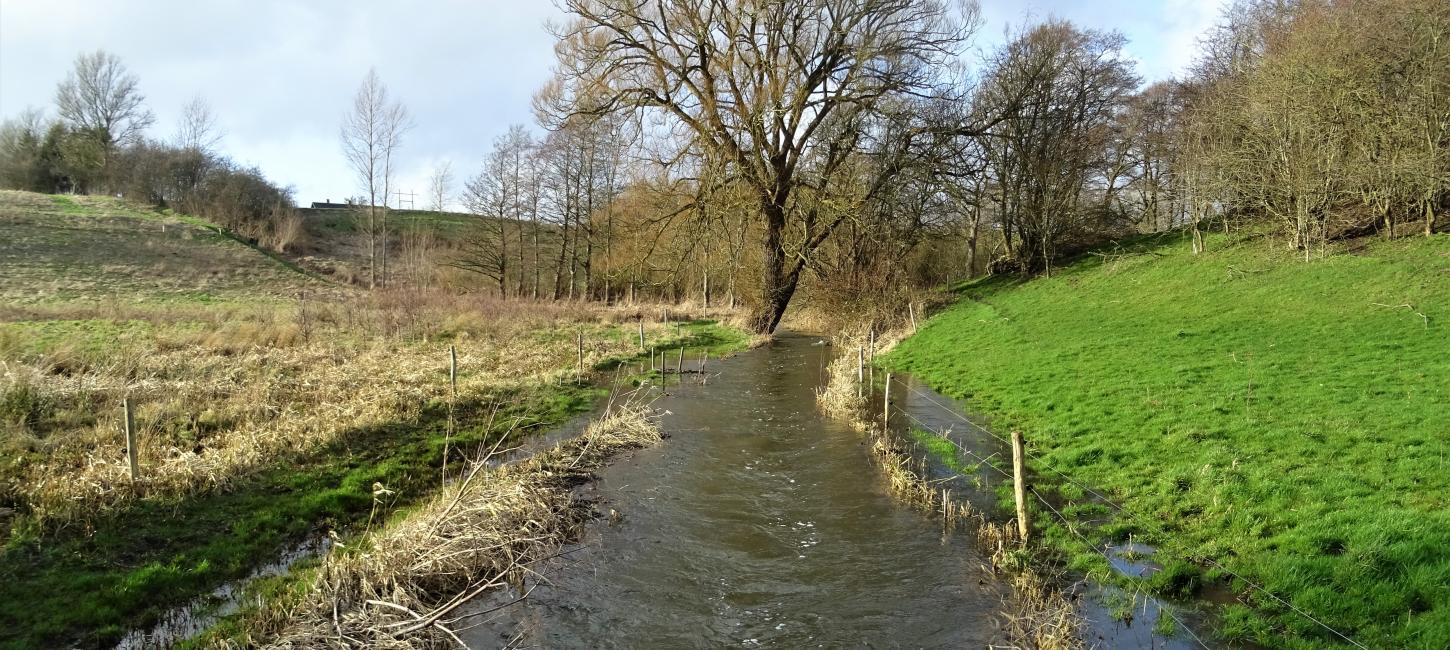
<point>758,523</point>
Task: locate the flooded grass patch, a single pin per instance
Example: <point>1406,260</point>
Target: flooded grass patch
<point>400,585</point>
<point>1039,612</point>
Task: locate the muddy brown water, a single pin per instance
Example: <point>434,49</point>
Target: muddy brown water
<point>758,523</point>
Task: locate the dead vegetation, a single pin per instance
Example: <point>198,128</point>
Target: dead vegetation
<point>403,586</point>
<point>223,390</point>
<point>1039,611</point>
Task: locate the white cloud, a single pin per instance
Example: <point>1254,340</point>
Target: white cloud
<point>279,74</point>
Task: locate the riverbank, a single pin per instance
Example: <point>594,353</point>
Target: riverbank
<point>1039,608</point>
<point>1271,426</point>
<point>406,584</point>
<point>254,443</point>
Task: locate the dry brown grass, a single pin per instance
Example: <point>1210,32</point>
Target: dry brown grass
<point>402,586</point>
<point>223,390</point>
<point>1039,611</point>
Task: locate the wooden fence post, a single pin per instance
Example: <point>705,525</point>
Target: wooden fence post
<point>452,403</point>
<point>641,333</point>
<point>860,370</point>
<point>130,411</point>
<point>680,365</point>
<point>452,373</point>
<point>871,353</point>
<point>911,311</point>
<point>1019,486</point>
<point>886,404</point>
<point>579,341</point>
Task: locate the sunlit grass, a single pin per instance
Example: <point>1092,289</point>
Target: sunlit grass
<point>1286,419</point>
<point>264,417</point>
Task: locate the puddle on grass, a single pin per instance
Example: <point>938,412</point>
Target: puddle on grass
<point>204,611</point>
<point>1115,618</point>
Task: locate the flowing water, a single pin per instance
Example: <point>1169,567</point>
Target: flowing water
<point>758,523</point>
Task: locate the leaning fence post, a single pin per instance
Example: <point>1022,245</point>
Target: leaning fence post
<point>130,411</point>
<point>911,311</point>
<point>886,404</point>
<point>1019,486</point>
<point>680,365</point>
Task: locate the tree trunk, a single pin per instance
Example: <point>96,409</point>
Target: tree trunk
<point>777,285</point>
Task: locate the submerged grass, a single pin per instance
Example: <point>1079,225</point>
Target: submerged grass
<point>1038,612</point>
<point>401,586</point>
<point>1279,418</point>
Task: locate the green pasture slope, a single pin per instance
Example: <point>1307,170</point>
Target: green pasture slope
<point>1289,421</point>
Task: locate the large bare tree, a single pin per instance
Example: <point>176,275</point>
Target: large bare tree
<point>772,88</point>
<point>371,134</point>
<point>103,100</point>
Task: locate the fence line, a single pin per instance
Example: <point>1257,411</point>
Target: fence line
<point>1124,511</point>
<point>1137,591</point>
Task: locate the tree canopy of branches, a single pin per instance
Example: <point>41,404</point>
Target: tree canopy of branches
<point>371,133</point>
<point>1062,88</point>
<point>1314,113</point>
<point>102,99</point>
<point>775,94</point>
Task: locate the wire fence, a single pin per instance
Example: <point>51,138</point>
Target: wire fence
<point>1137,592</point>
<point>1119,509</point>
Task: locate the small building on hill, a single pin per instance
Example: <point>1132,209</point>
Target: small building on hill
<point>329,205</point>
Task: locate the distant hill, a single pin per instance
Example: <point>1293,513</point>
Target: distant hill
<point>57,248</point>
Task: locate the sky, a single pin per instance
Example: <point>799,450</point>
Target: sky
<point>280,74</point>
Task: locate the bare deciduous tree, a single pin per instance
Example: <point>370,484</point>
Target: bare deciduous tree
<point>771,87</point>
<point>440,186</point>
<point>371,134</point>
<point>197,129</point>
<point>103,100</point>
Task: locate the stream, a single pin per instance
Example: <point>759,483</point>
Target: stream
<point>757,523</point>
<point>761,523</point>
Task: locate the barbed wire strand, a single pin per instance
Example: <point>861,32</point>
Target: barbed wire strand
<point>1136,591</point>
<point>1253,585</point>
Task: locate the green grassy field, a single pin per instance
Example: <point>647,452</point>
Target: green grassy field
<point>1288,420</point>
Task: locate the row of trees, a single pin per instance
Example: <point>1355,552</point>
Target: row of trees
<point>1326,117</point>
<point>97,144</point>
<point>842,143</point>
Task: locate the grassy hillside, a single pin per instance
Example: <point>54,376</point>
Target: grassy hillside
<point>263,420</point>
<point>1289,420</point>
<point>66,248</point>
<point>334,244</point>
